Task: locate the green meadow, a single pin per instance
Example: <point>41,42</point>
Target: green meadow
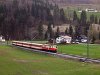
<point>81,49</point>
<point>16,61</point>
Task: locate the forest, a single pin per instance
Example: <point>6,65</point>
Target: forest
<point>17,17</point>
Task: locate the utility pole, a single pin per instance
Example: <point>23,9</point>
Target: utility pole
<point>88,45</point>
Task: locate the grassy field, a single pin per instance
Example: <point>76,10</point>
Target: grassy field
<point>80,49</point>
<point>69,13</point>
<point>89,14</point>
<point>15,61</point>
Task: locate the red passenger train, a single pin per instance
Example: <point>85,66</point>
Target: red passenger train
<point>43,47</point>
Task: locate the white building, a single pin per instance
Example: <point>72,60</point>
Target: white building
<point>2,39</point>
<point>89,10</point>
<point>61,39</point>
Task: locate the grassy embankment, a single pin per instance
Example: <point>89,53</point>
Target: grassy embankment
<point>81,49</point>
<point>15,61</point>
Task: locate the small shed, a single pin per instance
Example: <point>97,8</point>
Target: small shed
<point>66,39</point>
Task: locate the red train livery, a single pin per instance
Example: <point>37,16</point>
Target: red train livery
<point>43,47</point>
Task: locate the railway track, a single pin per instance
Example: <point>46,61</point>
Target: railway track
<point>65,56</point>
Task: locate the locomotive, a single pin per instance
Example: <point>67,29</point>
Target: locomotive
<point>43,47</point>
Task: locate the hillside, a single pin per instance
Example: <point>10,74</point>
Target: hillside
<point>23,19</point>
<point>20,19</point>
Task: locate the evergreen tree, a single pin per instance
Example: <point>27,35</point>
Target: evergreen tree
<point>83,18</point>
<point>99,35</point>
<point>50,31</point>
<point>77,31</point>
<point>57,32</point>
<point>62,15</point>
<point>2,16</point>
<point>40,30</point>
<point>92,19</point>
<point>33,9</point>
<point>99,21</point>
<point>70,30</point>
<point>15,4</point>
<point>96,20</point>
<point>93,40</point>
<point>56,15</point>
<point>46,35</point>
<point>75,16</point>
<point>66,31</point>
<point>49,16</point>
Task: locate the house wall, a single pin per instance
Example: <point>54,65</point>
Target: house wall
<point>67,40</point>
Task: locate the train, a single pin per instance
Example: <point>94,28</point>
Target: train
<point>42,47</point>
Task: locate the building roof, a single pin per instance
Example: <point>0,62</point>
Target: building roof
<point>66,36</point>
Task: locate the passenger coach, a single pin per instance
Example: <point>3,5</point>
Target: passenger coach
<point>43,47</point>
